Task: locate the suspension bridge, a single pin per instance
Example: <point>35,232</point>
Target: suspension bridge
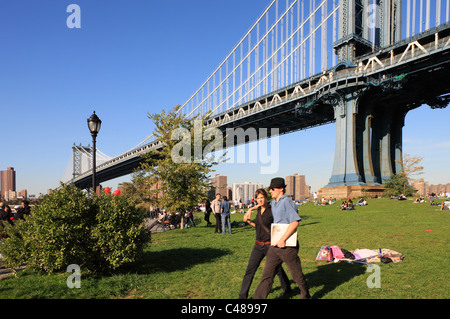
<point>361,64</point>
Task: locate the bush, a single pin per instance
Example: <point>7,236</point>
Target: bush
<point>119,234</point>
<point>396,185</point>
<point>69,227</point>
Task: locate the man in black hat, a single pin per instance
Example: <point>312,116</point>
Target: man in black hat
<point>284,211</point>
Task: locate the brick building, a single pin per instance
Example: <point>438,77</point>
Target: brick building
<point>296,186</point>
<point>8,183</point>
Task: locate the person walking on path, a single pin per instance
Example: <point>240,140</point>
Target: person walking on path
<point>225,212</point>
<point>262,224</point>
<point>284,211</point>
<point>215,206</point>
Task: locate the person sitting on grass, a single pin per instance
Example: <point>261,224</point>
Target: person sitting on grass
<point>350,205</point>
<point>361,202</point>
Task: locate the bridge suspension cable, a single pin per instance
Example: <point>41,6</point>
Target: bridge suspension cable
<point>272,54</point>
<point>68,174</point>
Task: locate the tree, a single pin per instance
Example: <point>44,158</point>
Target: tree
<point>411,167</point>
<point>179,169</point>
<point>396,185</point>
<point>139,189</point>
<point>399,183</point>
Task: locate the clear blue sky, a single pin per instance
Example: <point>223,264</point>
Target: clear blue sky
<point>133,57</point>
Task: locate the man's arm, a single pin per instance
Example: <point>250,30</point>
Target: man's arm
<point>289,231</point>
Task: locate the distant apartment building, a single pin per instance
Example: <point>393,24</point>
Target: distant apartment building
<point>245,191</point>
<point>10,195</point>
<point>296,187</point>
<point>219,185</point>
<point>229,193</point>
<point>8,184</point>
<point>23,194</point>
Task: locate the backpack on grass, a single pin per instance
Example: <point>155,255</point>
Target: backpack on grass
<point>325,253</point>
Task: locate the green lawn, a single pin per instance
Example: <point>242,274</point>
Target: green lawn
<point>196,263</point>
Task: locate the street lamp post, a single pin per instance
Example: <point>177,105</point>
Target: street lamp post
<point>94,124</point>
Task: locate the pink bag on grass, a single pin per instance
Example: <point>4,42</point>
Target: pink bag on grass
<point>337,253</point>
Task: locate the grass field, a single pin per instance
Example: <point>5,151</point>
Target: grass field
<point>196,263</point>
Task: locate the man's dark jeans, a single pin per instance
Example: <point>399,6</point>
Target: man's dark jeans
<point>276,256</point>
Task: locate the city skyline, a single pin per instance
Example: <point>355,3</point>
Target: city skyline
<point>127,60</point>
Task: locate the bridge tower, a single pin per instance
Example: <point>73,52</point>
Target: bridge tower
<point>368,145</point>
<point>358,18</point>
<point>77,153</point>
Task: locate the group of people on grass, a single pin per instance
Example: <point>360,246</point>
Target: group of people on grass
<point>221,209</point>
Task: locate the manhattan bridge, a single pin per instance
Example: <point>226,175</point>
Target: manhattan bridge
<point>361,64</point>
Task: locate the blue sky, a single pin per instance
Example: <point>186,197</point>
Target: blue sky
<point>133,57</point>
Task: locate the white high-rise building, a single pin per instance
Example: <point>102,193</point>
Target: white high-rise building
<point>245,191</point>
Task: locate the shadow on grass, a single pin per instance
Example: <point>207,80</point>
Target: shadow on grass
<point>307,224</point>
<point>175,259</point>
<point>308,220</point>
<point>332,275</point>
<point>328,277</point>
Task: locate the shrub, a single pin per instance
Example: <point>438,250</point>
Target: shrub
<point>396,185</point>
<point>70,227</point>
<point>119,234</point>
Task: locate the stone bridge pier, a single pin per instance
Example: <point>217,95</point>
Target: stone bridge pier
<point>368,147</point>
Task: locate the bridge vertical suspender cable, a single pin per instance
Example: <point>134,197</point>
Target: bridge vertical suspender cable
<point>422,15</point>
<point>269,56</point>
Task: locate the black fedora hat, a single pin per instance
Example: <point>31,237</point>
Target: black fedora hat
<point>277,182</point>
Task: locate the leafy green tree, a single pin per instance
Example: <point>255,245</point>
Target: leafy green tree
<point>139,189</point>
<point>178,168</point>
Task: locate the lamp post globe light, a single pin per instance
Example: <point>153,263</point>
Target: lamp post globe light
<point>94,124</point>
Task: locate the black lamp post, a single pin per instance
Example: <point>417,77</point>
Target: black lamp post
<point>94,124</point>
